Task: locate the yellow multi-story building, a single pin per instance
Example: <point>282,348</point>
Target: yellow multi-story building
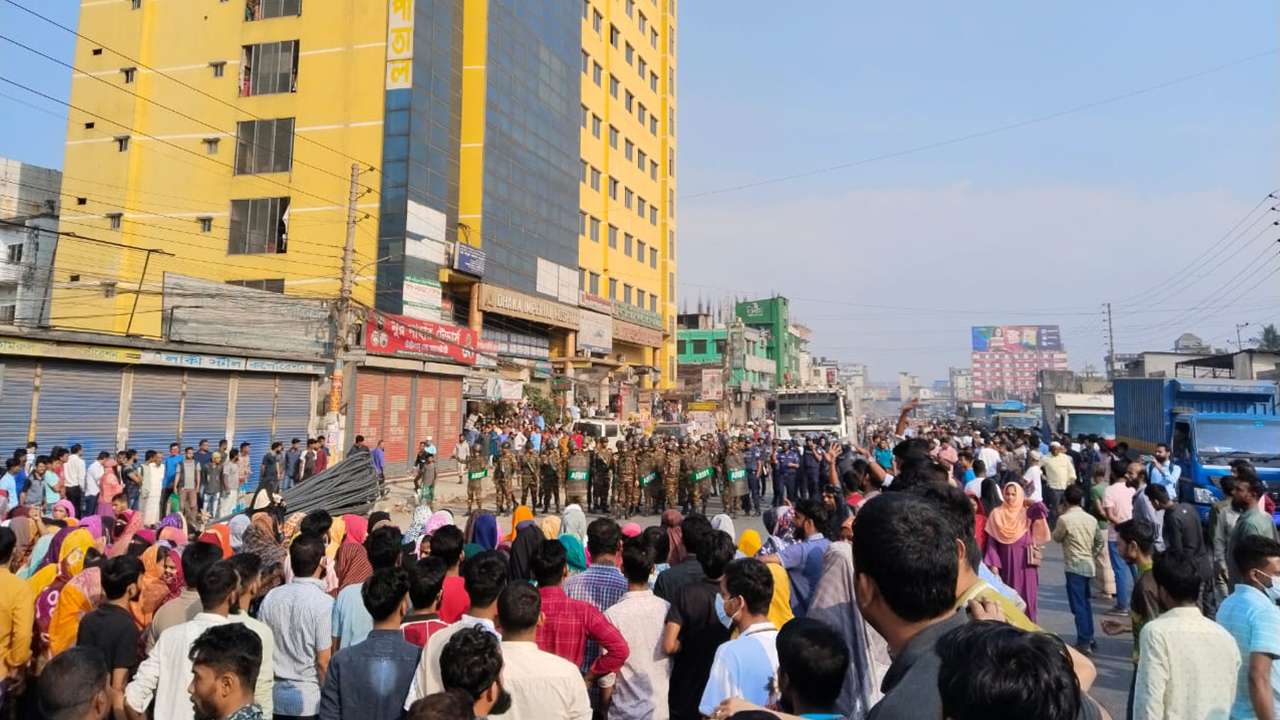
<point>517,169</point>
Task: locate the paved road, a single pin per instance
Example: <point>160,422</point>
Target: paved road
<point>1113,659</point>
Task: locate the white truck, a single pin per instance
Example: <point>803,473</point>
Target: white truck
<point>1074,414</point>
<point>818,410</point>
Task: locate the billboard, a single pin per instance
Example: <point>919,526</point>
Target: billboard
<point>1016,338</point>
<point>387,334</point>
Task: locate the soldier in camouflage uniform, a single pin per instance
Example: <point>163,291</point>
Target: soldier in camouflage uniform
<point>626,494</point>
<point>601,471</point>
<point>689,457</point>
<point>475,482</point>
<point>507,468</point>
<point>529,470</point>
<point>644,466</point>
<point>735,487</point>
<point>672,467</point>
<point>575,490</point>
<point>552,470</point>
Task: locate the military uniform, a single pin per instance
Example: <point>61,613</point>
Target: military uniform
<point>626,497</point>
<point>552,470</point>
<point>601,470</point>
<point>529,476</point>
<point>577,473</point>
<point>508,473</point>
<point>689,459</point>
<point>476,473</point>
<point>672,473</point>
<point>735,487</point>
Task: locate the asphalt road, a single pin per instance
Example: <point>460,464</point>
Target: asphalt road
<point>1113,658</point>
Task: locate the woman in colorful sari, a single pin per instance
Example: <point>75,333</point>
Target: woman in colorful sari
<point>71,559</point>
<point>521,514</point>
<point>351,566</point>
<point>79,597</point>
<point>1016,527</point>
<point>260,539</point>
<point>44,555</point>
<point>64,510</point>
<point>155,585</point>
<point>357,528</point>
<point>235,529</point>
<point>25,529</point>
<point>128,526</point>
<point>108,487</point>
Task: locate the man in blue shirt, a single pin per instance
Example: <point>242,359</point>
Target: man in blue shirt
<point>171,463</point>
<point>884,455</point>
<point>1162,471</point>
<point>9,482</point>
<point>803,559</point>
<point>292,462</point>
<point>751,462</point>
<point>1251,616</point>
<point>810,470</point>
<point>204,455</point>
<point>788,466</point>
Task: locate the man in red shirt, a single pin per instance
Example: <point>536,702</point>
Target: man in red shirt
<point>425,589</point>
<point>446,544</point>
<point>569,623</point>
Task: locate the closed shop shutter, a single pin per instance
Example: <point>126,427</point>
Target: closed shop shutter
<point>395,423</point>
<point>204,413</point>
<point>426,413</point>
<point>79,403</point>
<point>17,380</point>
<point>293,408</point>
<point>436,415</point>
<point>154,409</point>
<point>450,423</point>
<point>370,388</point>
<point>255,405</point>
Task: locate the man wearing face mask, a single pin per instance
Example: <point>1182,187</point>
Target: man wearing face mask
<point>472,662</point>
<point>1246,496</point>
<point>1251,616</point>
<point>744,667</point>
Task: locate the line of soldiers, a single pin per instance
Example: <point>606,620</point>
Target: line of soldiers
<point>642,472</point>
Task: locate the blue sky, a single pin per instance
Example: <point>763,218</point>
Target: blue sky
<point>892,261</point>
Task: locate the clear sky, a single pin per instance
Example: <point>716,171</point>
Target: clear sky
<point>890,261</point>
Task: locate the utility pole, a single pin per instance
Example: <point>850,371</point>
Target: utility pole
<point>1239,342</point>
<point>1111,341</point>
<point>344,310</point>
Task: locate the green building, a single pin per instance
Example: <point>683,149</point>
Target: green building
<point>772,316</point>
<point>702,348</point>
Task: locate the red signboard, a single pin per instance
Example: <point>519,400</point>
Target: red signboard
<point>398,335</point>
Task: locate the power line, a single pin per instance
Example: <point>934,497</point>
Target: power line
<point>984,133</point>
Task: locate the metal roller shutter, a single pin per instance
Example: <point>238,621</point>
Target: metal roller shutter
<point>395,424</point>
<point>204,414</point>
<point>255,406</point>
<point>450,422</point>
<point>370,388</point>
<point>426,411</point>
<point>17,381</point>
<point>154,410</point>
<point>79,403</point>
<point>293,408</point>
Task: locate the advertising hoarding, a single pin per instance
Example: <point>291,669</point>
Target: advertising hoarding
<point>1016,338</point>
<point>387,334</point>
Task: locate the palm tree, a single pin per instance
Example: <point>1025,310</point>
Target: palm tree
<point>1269,338</point>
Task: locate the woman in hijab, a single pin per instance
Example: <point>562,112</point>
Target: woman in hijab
<point>108,487</point>
<point>46,553</point>
<point>174,535</point>
<point>979,520</point>
<point>1015,529</point>
<point>470,550</point>
<point>528,537</point>
<point>260,539</point>
<point>780,612</point>
<point>337,532</point>
<point>838,511</point>
<point>521,514</point>
<point>63,510</point>
<point>781,532</point>
<point>486,531</point>
<point>351,565</point>
<point>631,529</point>
<point>418,525</point>
<point>357,528</point>
<point>93,524</point>
<point>575,555</point>
<point>574,522</point>
<point>25,530</point>
<point>128,524</point>
<point>439,519</point>
<point>834,603</point>
<point>155,586</point>
<point>551,526</point>
<point>670,523</point>
<point>749,544</point>
<point>82,595</point>
<point>68,559</point>
<point>75,550</point>
<point>236,527</point>
<point>724,524</point>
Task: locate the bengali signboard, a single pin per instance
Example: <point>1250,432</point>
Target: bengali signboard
<point>636,334</point>
<point>595,302</point>
<point>469,259</point>
<point>528,307</point>
<point>422,298</point>
<point>637,315</point>
<point>387,334</point>
<point>399,44</point>
<point>712,384</point>
<point>1016,338</point>
<point>595,331</point>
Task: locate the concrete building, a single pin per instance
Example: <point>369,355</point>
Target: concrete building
<point>773,316</point>
<point>961,381</point>
<point>29,202</point>
<point>1158,363</point>
<point>1005,359</point>
<point>27,189</point>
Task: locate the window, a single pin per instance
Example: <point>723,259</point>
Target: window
<point>653,124</point>
<point>640,250</point>
<point>593,286</point>
<point>671,81</point>
<point>653,170</point>
<point>88,126</point>
<point>8,314</point>
<point>642,68</point>
<point>631,7</point>
<point>671,162</point>
<point>629,150</point>
<point>14,252</point>
<point>640,158</point>
<point>595,126</point>
<point>596,19</point>
<point>275,285</point>
<point>644,22</point>
<point>114,220</point>
<point>206,224</point>
<point>643,114</point>
<point>259,226</point>
<point>586,61</point>
<point>719,346</point>
<point>582,223</point>
<point>137,4</point>
<point>82,201</point>
<point>264,146</point>
<point>129,74</point>
<point>597,73</point>
<point>639,297</point>
<point>630,54</point>
<point>671,40</point>
<point>671,284</point>
<point>265,9</point>
<point>219,67</point>
<point>653,214</point>
<point>653,303</point>
<point>582,279</point>
<point>671,120</point>
<point>653,81</point>
<point>613,86</point>
<point>671,202</point>
<point>700,347</point>
<point>653,38</point>
<point>582,171</point>
<point>613,35</point>
<point>627,198</point>
<point>586,9</point>
<point>595,179</point>
<point>640,205</point>
<point>653,257</point>
<point>122,142</point>
<point>613,188</point>
<point>585,114</point>
<point>97,51</point>
<point>211,146</point>
<point>613,137</point>
<point>613,237</point>
<point>269,68</point>
<point>626,293</point>
<point>626,248</point>
<point>595,229</point>
<point>613,289</point>
<point>629,101</point>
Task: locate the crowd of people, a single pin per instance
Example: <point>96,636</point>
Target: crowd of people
<point>899,580</point>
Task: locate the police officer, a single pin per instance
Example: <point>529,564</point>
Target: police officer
<point>577,474</point>
<point>507,474</point>
<point>529,471</point>
<point>810,469</point>
<point>788,468</point>
<point>625,495</point>
<point>751,463</point>
<point>672,471</point>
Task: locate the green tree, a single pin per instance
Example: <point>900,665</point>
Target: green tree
<point>543,404</point>
<point>1269,338</point>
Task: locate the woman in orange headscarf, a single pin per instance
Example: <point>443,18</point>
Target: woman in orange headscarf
<point>521,514</point>
<point>155,585</point>
<point>1016,531</point>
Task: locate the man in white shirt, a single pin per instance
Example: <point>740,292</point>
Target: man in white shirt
<point>93,484</point>
<point>1033,479</point>
<point>484,576</point>
<point>542,685</point>
<point>640,687</point>
<point>746,666</point>
<point>166,673</point>
<point>989,457</point>
<point>73,472</point>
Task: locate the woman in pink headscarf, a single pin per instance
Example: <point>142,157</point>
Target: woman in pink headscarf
<point>108,487</point>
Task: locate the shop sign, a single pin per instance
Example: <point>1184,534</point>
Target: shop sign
<point>487,353</point>
<point>474,388</point>
<point>283,366</point>
<point>636,334</point>
<point>422,298</point>
<point>188,360</point>
<point>515,304</point>
<point>637,315</point>
<point>41,348</point>
<point>398,335</point>
<point>469,259</point>
<point>595,331</point>
<point>595,302</point>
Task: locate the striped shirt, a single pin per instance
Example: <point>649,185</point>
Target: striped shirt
<point>299,615</point>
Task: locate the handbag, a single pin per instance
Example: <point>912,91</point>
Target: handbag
<point>1035,555</point>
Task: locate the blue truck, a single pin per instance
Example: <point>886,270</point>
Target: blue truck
<point>1206,423</point>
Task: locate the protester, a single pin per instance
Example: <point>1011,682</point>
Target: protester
<point>196,558</point>
<point>1251,616</point>
<point>1246,497</point>
<point>641,686</point>
<point>1017,533</point>
<point>1076,531</point>
<point>110,628</point>
<point>472,662</point>
<point>567,623</point>
<point>299,614</point>
<point>693,630</point>
<point>541,684</point>
<point>82,691</point>
<point>426,584</point>
<point>225,662</point>
<point>354,563</point>
<point>744,667</point>
<point>803,559</point>
<point>249,569</point>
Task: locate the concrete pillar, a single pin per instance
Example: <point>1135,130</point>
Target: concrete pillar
<point>475,317</point>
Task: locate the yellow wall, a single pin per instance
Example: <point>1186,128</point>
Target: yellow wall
<point>475,39</point>
<point>163,185</point>
<point>597,256</point>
